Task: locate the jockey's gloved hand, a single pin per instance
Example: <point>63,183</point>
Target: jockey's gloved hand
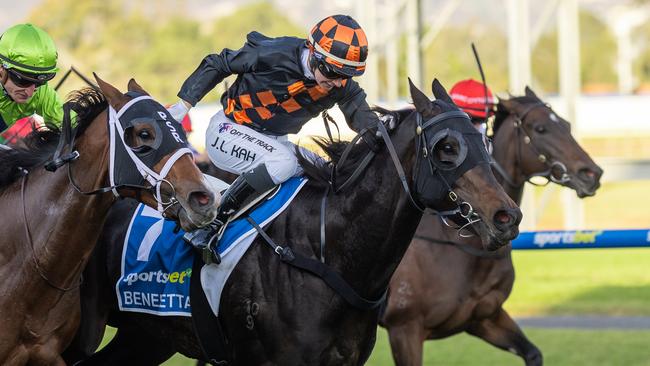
<point>371,139</point>
<point>178,110</point>
<point>389,121</point>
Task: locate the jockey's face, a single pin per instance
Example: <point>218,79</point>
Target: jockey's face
<point>326,83</point>
<point>20,94</point>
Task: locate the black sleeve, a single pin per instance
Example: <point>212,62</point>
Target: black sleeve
<point>216,67</point>
<point>355,108</point>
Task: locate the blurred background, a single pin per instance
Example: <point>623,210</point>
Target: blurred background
<point>590,59</point>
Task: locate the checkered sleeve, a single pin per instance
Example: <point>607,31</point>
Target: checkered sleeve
<point>355,108</point>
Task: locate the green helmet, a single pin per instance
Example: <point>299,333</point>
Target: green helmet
<point>28,49</point>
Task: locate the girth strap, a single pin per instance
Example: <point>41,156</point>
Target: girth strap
<point>331,278</point>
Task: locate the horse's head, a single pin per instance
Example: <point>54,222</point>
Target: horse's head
<point>545,147</point>
<point>453,173</point>
<point>150,159</point>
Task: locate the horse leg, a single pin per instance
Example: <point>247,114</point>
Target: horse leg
<point>406,342</point>
<point>501,331</point>
<point>131,346</point>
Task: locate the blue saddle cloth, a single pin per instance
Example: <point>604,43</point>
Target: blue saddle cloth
<point>157,263</point>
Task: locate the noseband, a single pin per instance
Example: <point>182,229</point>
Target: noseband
<point>67,142</point>
<point>463,209</point>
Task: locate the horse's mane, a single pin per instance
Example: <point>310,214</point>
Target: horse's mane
<point>502,112</point>
<point>320,172</point>
<point>38,146</point>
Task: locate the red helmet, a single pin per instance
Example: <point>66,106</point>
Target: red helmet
<point>339,46</point>
<point>187,123</point>
<point>469,95</point>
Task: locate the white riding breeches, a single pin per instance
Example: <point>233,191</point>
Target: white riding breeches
<point>237,149</point>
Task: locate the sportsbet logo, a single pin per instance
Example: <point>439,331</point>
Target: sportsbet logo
<point>563,237</point>
<point>159,277</point>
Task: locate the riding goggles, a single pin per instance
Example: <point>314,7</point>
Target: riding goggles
<point>23,80</point>
<point>329,72</point>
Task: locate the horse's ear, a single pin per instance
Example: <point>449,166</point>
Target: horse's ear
<point>531,93</point>
<point>421,101</point>
<point>440,92</point>
<point>510,104</point>
<point>134,86</point>
<point>114,97</point>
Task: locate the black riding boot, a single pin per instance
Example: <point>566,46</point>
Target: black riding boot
<point>245,186</point>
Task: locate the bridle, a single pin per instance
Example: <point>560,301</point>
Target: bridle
<point>67,142</point>
<point>463,209</point>
<point>553,166</point>
<point>318,267</point>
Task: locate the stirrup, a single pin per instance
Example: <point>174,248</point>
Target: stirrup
<point>209,253</point>
<point>204,242</point>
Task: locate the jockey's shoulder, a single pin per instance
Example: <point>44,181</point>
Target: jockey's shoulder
<point>256,38</point>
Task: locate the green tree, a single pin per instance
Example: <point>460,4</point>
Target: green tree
<point>641,36</point>
<point>147,40</point>
<point>450,59</point>
<point>597,56</point>
<point>230,31</point>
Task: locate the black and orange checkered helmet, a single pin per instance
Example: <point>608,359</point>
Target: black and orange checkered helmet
<point>339,46</point>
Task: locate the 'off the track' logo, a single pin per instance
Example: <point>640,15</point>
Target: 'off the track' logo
<point>224,127</point>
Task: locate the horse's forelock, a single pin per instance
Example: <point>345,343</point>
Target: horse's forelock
<point>502,112</point>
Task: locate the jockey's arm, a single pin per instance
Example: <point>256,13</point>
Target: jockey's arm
<point>49,105</point>
<point>214,68</point>
<point>356,110</point>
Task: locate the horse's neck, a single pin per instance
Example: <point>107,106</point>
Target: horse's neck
<point>65,224</point>
<point>376,222</point>
<point>505,154</point>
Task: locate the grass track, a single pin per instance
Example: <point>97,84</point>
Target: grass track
<point>607,282</point>
<point>561,347</point>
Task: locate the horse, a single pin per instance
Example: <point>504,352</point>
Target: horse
<point>52,218</point>
<point>447,285</point>
<point>272,313</point>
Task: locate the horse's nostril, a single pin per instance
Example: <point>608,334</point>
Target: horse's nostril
<point>503,217</point>
<point>587,173</point>
<point>202,198</point>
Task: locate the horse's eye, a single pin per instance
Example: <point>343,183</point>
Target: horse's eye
<point>144,134</point>
<point>448,149</point>
<point>540,129</point>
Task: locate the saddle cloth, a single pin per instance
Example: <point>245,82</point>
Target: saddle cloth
<point>157,263</point>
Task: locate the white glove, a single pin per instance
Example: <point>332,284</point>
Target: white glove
<point>388,120</point>
<point>178,110</point>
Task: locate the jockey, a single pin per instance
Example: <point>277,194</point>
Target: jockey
<point>469,95</point>
<point>27,62</point>
<point>281,84</point>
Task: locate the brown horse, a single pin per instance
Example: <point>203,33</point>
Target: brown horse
<point>49,227</point>
<point>441,290</point>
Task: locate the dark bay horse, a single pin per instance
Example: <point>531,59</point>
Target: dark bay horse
<point>49,228</point>
<point>441,290</point>
<point>274,314</point>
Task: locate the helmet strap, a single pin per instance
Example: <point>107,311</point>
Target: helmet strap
<point>313,63</point>
<point>3,80</point>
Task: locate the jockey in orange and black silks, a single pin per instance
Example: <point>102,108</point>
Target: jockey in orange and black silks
<point>281,84</point>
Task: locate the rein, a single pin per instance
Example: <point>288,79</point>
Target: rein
<point>466,248</point>
<point>67,135</point>
<point>59,159</point>
<point>28,234</point>
<point>318,267</point>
